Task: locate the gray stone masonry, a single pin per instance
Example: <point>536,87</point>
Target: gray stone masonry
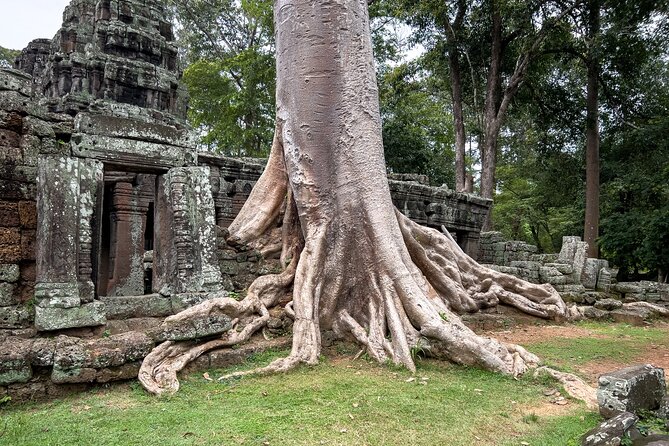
<point>610,432</point>
<point>577,278</point>
<point>632,389</point>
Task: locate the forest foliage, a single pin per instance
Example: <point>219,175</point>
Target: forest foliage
<point>540,160</point>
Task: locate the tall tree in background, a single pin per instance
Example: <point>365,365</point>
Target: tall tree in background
<point>229,50</point>
<point>592,35</point>
<point>497,38</point>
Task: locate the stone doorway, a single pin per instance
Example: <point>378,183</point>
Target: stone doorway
<point>126,234</point>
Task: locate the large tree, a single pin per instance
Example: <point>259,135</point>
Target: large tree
<point>355,266</point>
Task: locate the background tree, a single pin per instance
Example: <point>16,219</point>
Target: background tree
<point>497,41</point>
<point>417,135</point>
<point>229,52</point>
<point>7,57</point>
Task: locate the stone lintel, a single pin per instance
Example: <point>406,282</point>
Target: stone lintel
<point>131,128</point>
<point>129,152</point>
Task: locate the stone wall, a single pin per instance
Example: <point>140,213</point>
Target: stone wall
<point>27,132</point>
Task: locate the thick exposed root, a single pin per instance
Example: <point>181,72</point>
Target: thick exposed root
<point>465,285</point>
<point>574,386</point>
<point>158,373</point>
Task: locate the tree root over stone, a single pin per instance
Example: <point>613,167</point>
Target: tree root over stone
<point>390,286</point>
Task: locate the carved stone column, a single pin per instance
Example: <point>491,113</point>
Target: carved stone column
<point>127,245</point>
<point>185,254</point>
<point>66,202</point>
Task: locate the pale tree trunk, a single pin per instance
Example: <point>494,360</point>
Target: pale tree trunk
<point>591,229</point>
<point>358,269</point>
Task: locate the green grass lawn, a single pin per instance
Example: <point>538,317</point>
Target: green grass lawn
<point>338,402</point>
<point>620,342</point>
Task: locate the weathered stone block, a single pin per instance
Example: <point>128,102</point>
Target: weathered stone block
<point>8,294</point>
<point>15,80</point>
<point>141,153</point>
<point>14,364</point>
<point>628,287</point>
<point>153,305</point>
<point>607,277</point>
<point>594,313</point>
<point>9,138</point>
<point>10,245</point>
<point>11,121</point>
<point>636,316</point>
<point>608,304</point>
<point>631,389</point>
<point>14,317</point>
<point>9,213</point>
<point>131,128</point>
<point>182,301</point>
<point>28,241</point>
<point>87,315</point>
<point>38,127</point>
<point>57,295</point>
<point>9,272</point>
<point>591,272</point>
<point>28,214</point>
<point>123,372</point>
<point>42,351</point>
<point>610,432</point>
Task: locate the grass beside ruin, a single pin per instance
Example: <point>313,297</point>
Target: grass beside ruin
<point>338,402</point>
<point>619,342</point>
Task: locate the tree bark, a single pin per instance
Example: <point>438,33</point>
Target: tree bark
<point>491,120</point>
<point>358,268</point>
<point>591,229</point>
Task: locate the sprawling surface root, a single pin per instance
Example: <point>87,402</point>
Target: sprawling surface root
<point>158,373</point>
<point>574,386</point>
<point>390,295</point>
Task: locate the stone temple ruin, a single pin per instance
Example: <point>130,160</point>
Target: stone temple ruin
<point>108,213</point>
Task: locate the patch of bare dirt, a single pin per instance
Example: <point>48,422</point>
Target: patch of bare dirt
<point>538,333</point>
<point>654,353</point>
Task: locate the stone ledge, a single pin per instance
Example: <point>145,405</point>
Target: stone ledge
<point>87,315</point>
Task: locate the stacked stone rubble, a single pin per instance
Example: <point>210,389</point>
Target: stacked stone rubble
<point>575,276</point>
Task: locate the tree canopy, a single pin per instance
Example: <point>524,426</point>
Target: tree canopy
<point>506,79</point>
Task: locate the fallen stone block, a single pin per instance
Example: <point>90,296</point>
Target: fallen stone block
<point>636,316</point>
<point>610,432</point>
<point>631,389</point>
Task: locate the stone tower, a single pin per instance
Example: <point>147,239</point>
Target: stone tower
<point>118,50</point>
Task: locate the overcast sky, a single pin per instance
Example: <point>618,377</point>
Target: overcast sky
<point>24,20</point>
